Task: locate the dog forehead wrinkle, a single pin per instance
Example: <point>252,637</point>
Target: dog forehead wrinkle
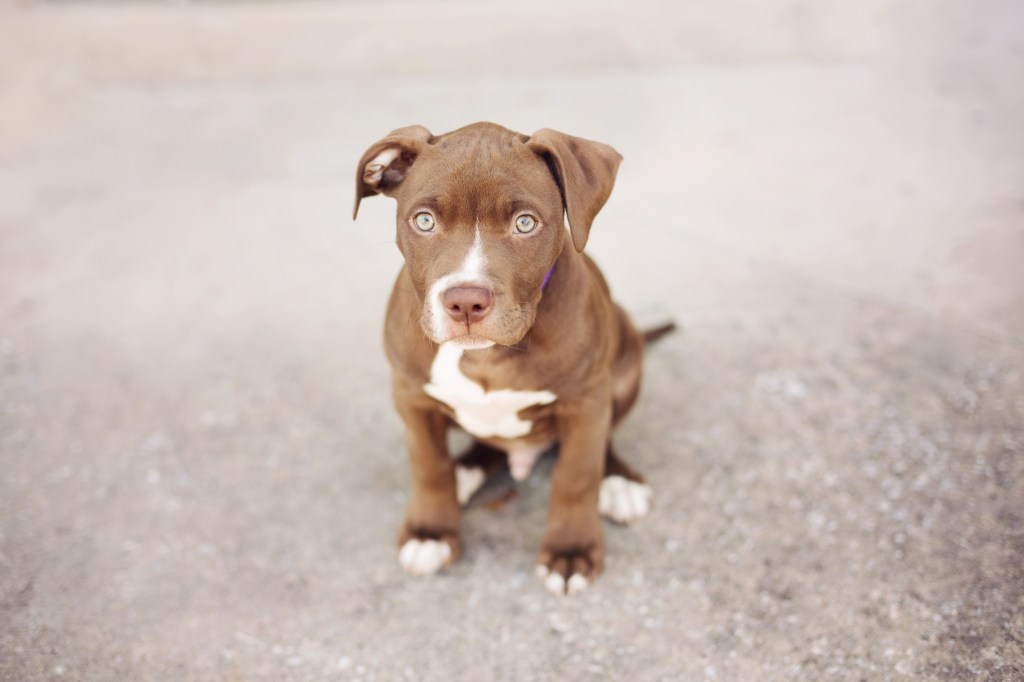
<point>480,134</point>
<point>477,173</point>
<point>488,158</point>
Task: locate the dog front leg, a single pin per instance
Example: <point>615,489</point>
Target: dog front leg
<point>572,552</point>
<point>429,539</point>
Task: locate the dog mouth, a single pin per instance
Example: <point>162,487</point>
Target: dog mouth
<point>501,327</point>
<point>470,342</point>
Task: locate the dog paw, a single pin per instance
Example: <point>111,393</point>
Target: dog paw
<point>623,500</point>
<point>569,572</point>
<point>425,557</point>
<point>555,583</point>
<point>467,481</point>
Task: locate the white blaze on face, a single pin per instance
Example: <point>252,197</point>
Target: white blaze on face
<point>471,272</point>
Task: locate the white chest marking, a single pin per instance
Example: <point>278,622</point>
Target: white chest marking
<point>485,414</point>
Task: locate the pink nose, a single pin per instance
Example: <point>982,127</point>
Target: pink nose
<point>467,304</point>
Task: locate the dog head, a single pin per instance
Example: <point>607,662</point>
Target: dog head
<point>481,219</point>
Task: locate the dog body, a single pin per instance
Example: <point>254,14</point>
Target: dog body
<point>499,324</point>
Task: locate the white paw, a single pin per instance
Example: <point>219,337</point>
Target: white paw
<point>556,584</point>
<point>624,501</point>
<point>424,557</point>
<point>467,481</point>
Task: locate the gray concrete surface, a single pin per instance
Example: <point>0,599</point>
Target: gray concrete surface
<point>201,475</point>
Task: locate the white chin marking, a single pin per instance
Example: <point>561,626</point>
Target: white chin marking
<point>467,481</point>
<point>424,557</point>
<point>471,343</point>
<point>624,501</point>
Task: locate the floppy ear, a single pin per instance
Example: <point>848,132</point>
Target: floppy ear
<point>386,162</point>
<point>585,172</point>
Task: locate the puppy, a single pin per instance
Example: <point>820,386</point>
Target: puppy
<point>499,324</point>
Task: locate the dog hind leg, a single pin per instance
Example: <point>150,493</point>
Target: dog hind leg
<point>474,467</point>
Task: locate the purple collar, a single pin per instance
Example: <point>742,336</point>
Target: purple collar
<point>547,277</point>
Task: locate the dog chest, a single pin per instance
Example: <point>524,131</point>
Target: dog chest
<point>485,414</point>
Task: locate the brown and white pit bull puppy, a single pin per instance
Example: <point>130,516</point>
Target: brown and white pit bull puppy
<point>499,324</point>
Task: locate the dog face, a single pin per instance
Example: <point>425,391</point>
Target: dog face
<point>480,220</point>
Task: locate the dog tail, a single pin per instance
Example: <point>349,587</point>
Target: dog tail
<point>652,334</point>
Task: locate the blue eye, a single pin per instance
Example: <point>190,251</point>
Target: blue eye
<point>424,222</point>
<point>525,224</point>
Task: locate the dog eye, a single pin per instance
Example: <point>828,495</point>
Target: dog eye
<point>525,224</point>
<point>424,222</point>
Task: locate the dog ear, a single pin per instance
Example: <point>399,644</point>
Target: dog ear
<point>585,172</point>
<point>386,162</point>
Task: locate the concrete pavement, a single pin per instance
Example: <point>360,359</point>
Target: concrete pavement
<point>201,474</point>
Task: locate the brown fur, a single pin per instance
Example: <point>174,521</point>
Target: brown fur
<point>570,338</point>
